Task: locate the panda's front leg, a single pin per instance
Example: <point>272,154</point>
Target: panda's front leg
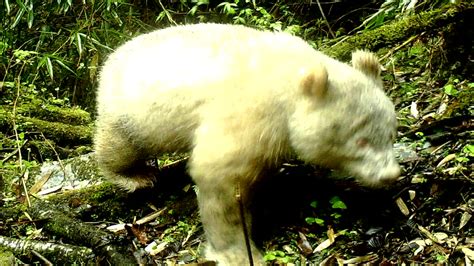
<point>223,169</point>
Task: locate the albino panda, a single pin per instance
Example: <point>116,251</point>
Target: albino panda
<point>240,101</point>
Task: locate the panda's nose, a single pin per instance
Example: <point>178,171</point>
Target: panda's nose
<point>391,174</point>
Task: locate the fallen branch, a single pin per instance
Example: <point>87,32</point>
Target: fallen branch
<point>62,225</point>
<point>398,30</point>
<point>59,132</point>
<point>52,250</point>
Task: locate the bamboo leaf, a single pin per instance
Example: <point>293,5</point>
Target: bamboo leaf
<point>7,7</point>
<point>100,44</point>
<point>62,64</point>
<point>18,16</point>
<point>78,43</point>
<point>21,4</point>
<point>30,15</point>
<point>49,66</point>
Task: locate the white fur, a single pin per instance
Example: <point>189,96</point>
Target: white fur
<point>241,101</point>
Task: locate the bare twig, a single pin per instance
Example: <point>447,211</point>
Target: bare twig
<point>168,15</point>
<point>150,217</point>
<point>41,257</point>
<point>23,179</point>
<point>24,175</point>
<point>400,46</point>
<point>238,197</point>
<point>325,20</point>
<point>57,156</point>
<point>10,155</point>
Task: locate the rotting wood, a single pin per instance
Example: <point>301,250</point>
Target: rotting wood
<point>58,223</point>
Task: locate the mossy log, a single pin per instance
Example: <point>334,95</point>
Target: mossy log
<point>60,224</point>
<point>63,253</point>
<point>400,30</point>
<point>64,126</point>
<point>48,112</point>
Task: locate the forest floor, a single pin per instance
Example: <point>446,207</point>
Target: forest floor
<point>304,215</point>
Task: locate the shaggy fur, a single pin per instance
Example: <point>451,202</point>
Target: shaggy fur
<point>240,101</point>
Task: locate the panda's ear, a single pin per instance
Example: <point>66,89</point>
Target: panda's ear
<point>315,82</point>
<point>366,62</point>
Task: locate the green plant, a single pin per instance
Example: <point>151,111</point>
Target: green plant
<point>173,233</point>
<point>450,90</point>
<point>420,143</point>
<point>58,45</point>
<point>460,161</point>
<point>277,256</point>
<point>468,150</point>
<point>336,205</point>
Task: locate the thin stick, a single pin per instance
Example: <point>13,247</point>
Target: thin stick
<point>168,15</point>
<point>238,197</point>
<point>45,260</point>
<point>325,20</point>
<point>24,173</point>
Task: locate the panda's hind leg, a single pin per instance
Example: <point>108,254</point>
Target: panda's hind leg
<point>121,156</point>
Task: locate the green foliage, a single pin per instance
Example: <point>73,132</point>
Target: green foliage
<point>58,45</point>
<point>173,233</point>
<point>336,205</point>
<point>468,150</point>
<point>441,258</point>
<point>314,220</point>
<point>449,89</point>
<point>277,256</point>
<point>391,9</point>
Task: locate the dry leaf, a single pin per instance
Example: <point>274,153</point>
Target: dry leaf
<point>40,183</point>
<point>154,248</point>
<point>402,206</point>
<point>150,217</point>
<point>428,234</point>
<point>50,190</point>
<point>117,227</point>
<point>414,110</point>
<point>187,187</point>
<point>304,245</point>
<point>140,234</point>
<point>326,243</point>
<point>442,108</point>
<point>440,236</point>
<point>412,194</point>
<point>446,159</point>
<point>465,217</point>
<point>469,253</point>
<point>330,234</point>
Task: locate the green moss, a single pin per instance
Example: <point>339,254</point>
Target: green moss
<point>7,258</point>
<point>394,32</point>
<point>52,113</point>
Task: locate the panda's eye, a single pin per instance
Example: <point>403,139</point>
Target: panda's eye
<point>362,142</point>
